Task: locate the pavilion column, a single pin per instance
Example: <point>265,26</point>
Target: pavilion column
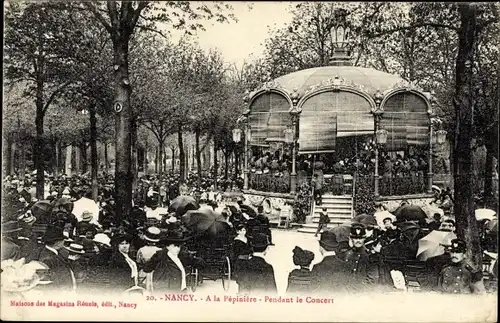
<point>429,173</point>
<point>245,156</point>
<point>295,113</point>
<point>380,139</point>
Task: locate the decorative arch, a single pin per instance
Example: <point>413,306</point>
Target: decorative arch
<point>333,111</point>
<point>406,117</point>
<point>268,115</point>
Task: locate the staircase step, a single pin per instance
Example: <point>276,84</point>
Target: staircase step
<point>333,206</point>
<point>311,229</point>
<point>344,217</point>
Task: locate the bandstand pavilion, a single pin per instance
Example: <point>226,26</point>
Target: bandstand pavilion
<point>311,111</point>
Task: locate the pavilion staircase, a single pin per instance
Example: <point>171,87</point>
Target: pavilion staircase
<point>339,209</point>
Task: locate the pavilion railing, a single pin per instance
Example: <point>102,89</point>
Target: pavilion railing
<point>269,183</point>
<point>402,185</point>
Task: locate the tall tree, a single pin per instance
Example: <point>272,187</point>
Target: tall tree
<point>121,20</point>
<point>35,36</point>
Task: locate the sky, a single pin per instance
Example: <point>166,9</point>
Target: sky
<point>237,41</point>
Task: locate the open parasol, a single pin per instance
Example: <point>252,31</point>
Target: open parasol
<point>206,222</point>
<point>181,204</point>
<point>433,244</point>
<point>410,213</point>
<point>365,219</point>
<point>63,204</point>
<point>341,233</point>
<point>485,214</point>
<point>86,204</point>
<point>42,211</point>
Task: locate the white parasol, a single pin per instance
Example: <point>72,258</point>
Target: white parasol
<point>433,244</point>
<point>86,204</point>
<point>482,214</point>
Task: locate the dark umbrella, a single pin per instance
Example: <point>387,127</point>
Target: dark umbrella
<point>63,204</point>
<point>410,230</point>
<point>365,219</point>
<point>181,204</point>
<point>206,222</point>
<point>410,213</point>
<point>42,211</point>
<point>341,233</point>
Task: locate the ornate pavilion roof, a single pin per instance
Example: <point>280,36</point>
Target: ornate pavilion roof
<point>366,78</point>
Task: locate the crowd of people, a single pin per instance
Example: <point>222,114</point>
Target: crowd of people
<point>153,249</point>
<point>77,251</point>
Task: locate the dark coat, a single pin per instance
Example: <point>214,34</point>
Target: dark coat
<point>10,249</point>
<point>397,249</point>
<point>327,276</point>
<point>352,271</point>
<point>257,275</point>
<point>120,272</point>
<point>457,279</point>
<point>60,270</point>
<point>299,281</point>
<point>166,275</point>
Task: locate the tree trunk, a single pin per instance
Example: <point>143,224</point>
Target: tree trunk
<point>226,164</point>
<point>182,157</point>
<point>133,148</point>
<point>236,161</point>
<point>60,159</point>
<point>164,161</point>
<point>84,159</point>
<point>145,159</point>
<point>173,159</point>
<point>76,161</point>
<point>68,168</point>
<point>11,151</point>
<point>39,143</point>
<point>160,157</point>
<point>216,165</point>
<point>123,160</point>
<point>106,159</point>
<point>22,160</point>
<point>198,155</point>
<point>94,165</point>
<point>464,203</point>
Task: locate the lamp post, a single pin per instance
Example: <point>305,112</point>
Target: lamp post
<point>380,137</point>
<point>292,138</point>
<point>340,38</point>
<point>243,120</point>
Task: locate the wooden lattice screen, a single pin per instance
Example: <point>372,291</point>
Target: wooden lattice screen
<point>406,120</point>
<point>329,115</point>
<point>269,117</point>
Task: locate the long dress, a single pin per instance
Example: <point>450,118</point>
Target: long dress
<point>241,251</point>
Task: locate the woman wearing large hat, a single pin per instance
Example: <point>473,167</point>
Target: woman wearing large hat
<point>122,268</point>
<point>171,265</point>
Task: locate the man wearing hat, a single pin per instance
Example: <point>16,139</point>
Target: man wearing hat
<point>327,275</point>
<point>10,247</point>
<point>170,265</point>
<point>256,273</point>
<point>85,226</point>
<point>360,274</point>
<point>60,270</point>
<point>458,277</point>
